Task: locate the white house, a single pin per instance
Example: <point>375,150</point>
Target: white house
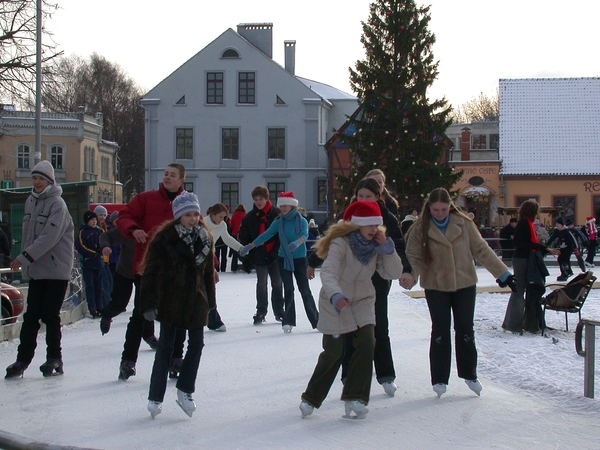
<point>237,119</point>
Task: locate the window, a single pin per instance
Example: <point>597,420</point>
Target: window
<point>230,53</point>
<point>56,157</point>
<point>566,204</point>
<point>231,143</point>
<point>274,190</point>
<point>188,186</point>
<point>214,88</point>
<point>595,205</point>
<point>322,192</point>
<point>478,142</point>
<point>89,156</point>
<point>104,167</point>
<point>279,101</point>
<point>23,156</point>
<point>276,143</point>
<point>246,87</point>
<point>230,194</point>
<point>494,141</point>
<point>181,101</point>
<point>185,143</point>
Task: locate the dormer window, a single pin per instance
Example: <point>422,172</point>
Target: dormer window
<point>230,53</point>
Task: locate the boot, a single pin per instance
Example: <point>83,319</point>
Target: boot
<point>105,325</point>
<point>186,402</point>
<point>52,367</point>
<point>126,370</point>
<point>16,370</point>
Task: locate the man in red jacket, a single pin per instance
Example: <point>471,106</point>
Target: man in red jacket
<point>138,220</point>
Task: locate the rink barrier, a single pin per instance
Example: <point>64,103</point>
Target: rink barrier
<point>588,351</point>
<point>11,441</point>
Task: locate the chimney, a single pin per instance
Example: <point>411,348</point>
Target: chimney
<point>258,34</point>
<point>290,56</point>
<point>465,144</point>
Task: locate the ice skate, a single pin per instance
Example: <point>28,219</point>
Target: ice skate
<point>186,402</point>
<point>105,325</point>
<point>155,408</point>
<point>15,370</point>
<point>357,407</point>
<point>439,389</point>
<point>258,319</point>
<point>475,386</point>
<point>390,388</point>
<point>306,409</point>
<point>52,367</point>
<point>287,328</point>
<point>126,370</point>
<point>175,367</point>
<point>152,342</point>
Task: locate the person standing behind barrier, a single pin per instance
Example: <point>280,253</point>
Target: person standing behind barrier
<point>507,239</point>
<point>88,246</point>
<point>264,258</point>
<point>591,232</point>
<point>441,247</point>
<point>235,222</point>
<point>46,260</point>
<point>139,220</point>
<point>105,274</point>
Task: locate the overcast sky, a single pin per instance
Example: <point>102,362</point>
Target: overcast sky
<point>478,41</point>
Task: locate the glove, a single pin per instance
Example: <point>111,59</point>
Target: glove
<point>245,250</point>
<point>294,245</point>
<point>387,248</point>
<point>150,314</point>
<point>509,282</point>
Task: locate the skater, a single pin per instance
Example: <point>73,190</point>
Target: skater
<point>565,241</point>
<point>591,232</point>
<point>353,250</point>
<point>235,222</point>
<point>580,239</point>
<point>179,259</point>
<point>530,287</point>
<point>292,230</point>
<point>390,202</point>
<point>138,220</point>
<point>215,220</point>
<point>264,258</point>
<point>88,246</point>
<point>442,245</point>
<point>46,260</point>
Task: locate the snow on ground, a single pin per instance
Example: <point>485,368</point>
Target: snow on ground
<point>251,377</point>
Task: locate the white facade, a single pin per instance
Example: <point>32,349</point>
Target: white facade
<point>234,87</point>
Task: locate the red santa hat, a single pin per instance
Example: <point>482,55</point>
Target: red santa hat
<point>287,198</point>
<point>590,219</point>
<point>363,213</point>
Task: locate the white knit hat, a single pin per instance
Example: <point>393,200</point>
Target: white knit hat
<point>184,203</point>
<point>287,198</point>
<point>45,170</point>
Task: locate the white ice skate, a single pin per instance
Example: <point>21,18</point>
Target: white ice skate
<point>390,388</point>
<point>439,389</point>
<point>306,409</point>
<point>475,386</point>
<point>186,402</point>
<point>357,407</point>
<point>155,408</point>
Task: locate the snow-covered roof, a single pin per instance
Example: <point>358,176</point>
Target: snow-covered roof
<point>326,91</point>
<point>550,126</point>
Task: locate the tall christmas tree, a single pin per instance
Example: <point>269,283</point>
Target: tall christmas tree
<point>398,130</point>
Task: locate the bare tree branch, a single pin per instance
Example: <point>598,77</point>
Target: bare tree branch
<point>479,109</point>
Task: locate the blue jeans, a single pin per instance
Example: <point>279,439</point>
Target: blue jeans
<point>106,280</point>
<point>93,289</point>
<point>189,369</point>
<point>263,272</point>
<point>289,318</point>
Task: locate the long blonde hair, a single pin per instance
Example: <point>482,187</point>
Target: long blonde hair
<point>385,194</point>
<point>437,195</point>
<point>337,230</point>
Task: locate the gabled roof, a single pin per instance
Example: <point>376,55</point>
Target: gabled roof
<point>326,91</point>
<point>550,126</point>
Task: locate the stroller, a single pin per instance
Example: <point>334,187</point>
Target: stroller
<point>568,298</point>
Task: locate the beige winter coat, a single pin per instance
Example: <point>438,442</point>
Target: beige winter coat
<point>452,266</point>
<point>343,273</point>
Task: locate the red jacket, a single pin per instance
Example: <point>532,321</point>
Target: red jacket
<point>235,222</point>
<point>146,211</point>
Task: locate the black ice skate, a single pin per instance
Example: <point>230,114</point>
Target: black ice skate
<point>52,367</point>
<point>15,370</point>
<point>126,370</point>
<point>259,319</point>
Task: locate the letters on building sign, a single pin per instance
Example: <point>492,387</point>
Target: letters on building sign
<point>480,170</point>
<point>588,186</point>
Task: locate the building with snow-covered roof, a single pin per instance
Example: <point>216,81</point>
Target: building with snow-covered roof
<point>237,119</point>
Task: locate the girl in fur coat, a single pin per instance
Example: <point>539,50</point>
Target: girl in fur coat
<point>178,290</point>
<point>353,250</point>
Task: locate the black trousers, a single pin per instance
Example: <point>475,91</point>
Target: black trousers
<point>44,299</point>
<point>564,261</point>
<point>443,306</point>
<point>382,356</point>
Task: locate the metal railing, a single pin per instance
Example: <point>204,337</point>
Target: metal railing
<point>588,352</point>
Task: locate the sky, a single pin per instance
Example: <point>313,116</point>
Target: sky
<point>477,42</point>
<point>251,377</point>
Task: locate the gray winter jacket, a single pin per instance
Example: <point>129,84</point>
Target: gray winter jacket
<point>47,243</point>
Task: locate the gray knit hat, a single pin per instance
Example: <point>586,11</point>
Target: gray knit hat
<point>45,170</point>
<point>100,210</point>
<point>184,203</point>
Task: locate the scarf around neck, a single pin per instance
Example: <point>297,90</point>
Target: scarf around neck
<point>198,240</point>
<point>291,219</point>
<point>263,223</point>
<point>361,247</point>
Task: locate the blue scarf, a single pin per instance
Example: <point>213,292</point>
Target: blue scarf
<point>361,247</point>
<point>294,219</point>
<point>443,225</point>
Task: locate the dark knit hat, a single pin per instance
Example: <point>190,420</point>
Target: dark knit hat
<point>88,215</point>
<point>45,170</point>
<point>569,222</point>
<point>513,220</point>
<point>560,220</point>
<point>184,203</point>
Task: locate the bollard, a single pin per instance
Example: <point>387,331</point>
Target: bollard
<point>588,352</point>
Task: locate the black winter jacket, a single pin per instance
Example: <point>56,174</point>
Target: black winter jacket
<point>250,230</point>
